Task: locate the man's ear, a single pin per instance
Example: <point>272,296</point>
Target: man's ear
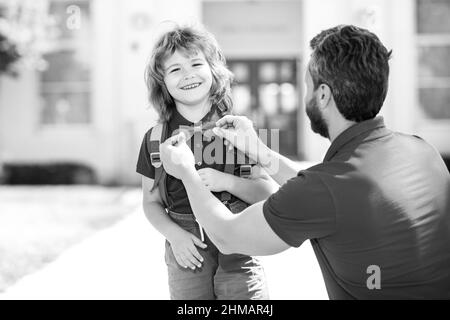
<point>324,95</point>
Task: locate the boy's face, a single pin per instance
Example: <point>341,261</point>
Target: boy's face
<point>188,78</point>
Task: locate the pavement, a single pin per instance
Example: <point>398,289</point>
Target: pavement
<point>126,262</point>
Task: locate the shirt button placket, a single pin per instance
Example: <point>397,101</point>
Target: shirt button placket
<point>198,147</point>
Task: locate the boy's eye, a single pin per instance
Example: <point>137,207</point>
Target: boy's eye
<point>197,64</point>
<point>174,70</point>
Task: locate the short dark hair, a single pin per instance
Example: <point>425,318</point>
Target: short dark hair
<point>354,63</point>
<point>188,39</point>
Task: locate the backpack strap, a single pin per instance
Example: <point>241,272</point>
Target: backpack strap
<point>158,134</point>
<point>163,189</point>
<point>232,156</point>
<point>154,142</point>
<point>225,196</point>
<point>245,169</point>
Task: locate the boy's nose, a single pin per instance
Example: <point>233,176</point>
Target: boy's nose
<point>188,76</point>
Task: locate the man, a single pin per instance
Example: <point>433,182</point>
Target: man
<point>377,210</point>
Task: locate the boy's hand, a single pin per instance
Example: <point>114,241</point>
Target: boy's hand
<point>214,180</point>
<point>184,248</point>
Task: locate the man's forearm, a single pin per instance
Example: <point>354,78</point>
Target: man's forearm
<point>209,211</point>
<point>280,168</point>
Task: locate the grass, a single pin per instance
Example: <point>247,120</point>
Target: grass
<point>39,223</point>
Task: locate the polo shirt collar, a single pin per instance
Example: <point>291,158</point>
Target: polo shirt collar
<point>179,120</point>
<point>349,134</point>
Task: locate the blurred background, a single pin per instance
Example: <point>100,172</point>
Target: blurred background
<point>78,100</point>
<point>73,104</point>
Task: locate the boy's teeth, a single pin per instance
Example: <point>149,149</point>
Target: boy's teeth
<point>191,86</point>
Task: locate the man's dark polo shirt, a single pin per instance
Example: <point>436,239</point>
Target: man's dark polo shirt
<point>379,198</point>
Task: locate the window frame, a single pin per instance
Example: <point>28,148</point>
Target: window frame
<point>86,86</point>
<point>260,118</point>
<point>430,40</point>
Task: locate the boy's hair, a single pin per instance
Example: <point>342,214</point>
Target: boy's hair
<point>187,39</point>
<point>354,63</point>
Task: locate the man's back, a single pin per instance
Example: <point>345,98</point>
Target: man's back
<point>392,203</point>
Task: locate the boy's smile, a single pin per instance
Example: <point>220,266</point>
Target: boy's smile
<point>191,86</point>
<point>188,77</point>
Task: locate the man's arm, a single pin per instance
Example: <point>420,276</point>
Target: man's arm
<point>280,168</point>
<point>246,233</point>
<point>302,209</point>
<point>239,132</point>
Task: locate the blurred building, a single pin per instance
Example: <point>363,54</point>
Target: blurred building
<point>89,105</point>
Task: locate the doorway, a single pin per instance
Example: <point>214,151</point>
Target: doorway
<point>266,91</point>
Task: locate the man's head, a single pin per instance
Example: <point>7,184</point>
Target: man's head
<point>348,68</point>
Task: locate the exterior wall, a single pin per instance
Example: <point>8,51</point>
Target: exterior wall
<point>393,22</point>
<point>120,114</point>
<point>269,31</point>
<point>123,37</point>
<point>24,139</point>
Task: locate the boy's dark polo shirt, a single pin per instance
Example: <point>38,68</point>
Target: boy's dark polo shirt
<point>379,198</point>
<point>177,196</point>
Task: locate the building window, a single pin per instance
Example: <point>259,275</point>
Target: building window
<point>433,29</point>
<point>267,92</point>
<point>66,82</point>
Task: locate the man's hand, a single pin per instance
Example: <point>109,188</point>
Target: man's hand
<point>184,248</point>
<point>177,157</point>
<point>214,180</point>
<point>239,132</point>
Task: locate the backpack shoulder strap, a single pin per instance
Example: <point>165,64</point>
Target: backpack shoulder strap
<point>225,196</point>
<point>234,158</point>
<point>158,134</point>
<point>153,145</point>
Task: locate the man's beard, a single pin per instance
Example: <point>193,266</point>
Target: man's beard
<point>318,124</point>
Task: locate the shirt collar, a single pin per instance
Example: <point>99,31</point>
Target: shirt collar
<point>178,120</point>
<point>351,133</point>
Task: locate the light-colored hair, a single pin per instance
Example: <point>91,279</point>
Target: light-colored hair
<point>187,39</point>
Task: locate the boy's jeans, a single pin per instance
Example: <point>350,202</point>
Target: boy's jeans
<point>245,280</point>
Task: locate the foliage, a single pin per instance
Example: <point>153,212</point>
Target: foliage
<point>24,27</point>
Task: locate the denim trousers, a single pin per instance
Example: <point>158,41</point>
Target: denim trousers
<point>221,277</point>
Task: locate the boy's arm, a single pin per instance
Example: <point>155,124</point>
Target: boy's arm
<point>259,186</point>
<point>184,244</point>
<point>154,210</point>
<point>254,189</point>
